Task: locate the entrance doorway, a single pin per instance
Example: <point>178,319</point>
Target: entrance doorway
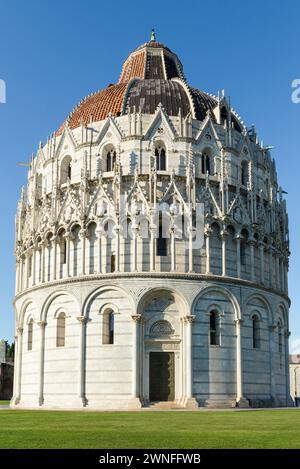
<point>162,376</point>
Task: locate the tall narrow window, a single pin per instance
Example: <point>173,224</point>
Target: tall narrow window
<point>112,263</point>
<point>206,162</point>
<point>111,327</point>
<point>65,169</point>
<point>243,252</point>
<point>30,265</point>
<point>214,336</point>
<point>30,335</point>
<point>110,160</point>
<point>160,154</point>
<point>255,332</point>
<point>162,241</point>
<point>244,173</point>
<point>63,251</point>
<point>61,330</point>
<point>69,171</point>
<point>108,327</point>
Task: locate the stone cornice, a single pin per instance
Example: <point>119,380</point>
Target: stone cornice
<point>155,275</point>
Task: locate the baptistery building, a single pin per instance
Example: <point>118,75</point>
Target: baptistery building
<point>152,253</point>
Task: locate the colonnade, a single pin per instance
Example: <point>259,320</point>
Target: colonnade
<point>57,257</point>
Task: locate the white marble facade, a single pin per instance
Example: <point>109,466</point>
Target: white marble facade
<point>71,276</point>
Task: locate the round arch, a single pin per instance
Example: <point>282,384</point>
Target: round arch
<point>47,303</point>
<point>257,296</point>
<point>153,292</point>
<point>223,291</point>
<point>90,297</point>
<point>23,310</point>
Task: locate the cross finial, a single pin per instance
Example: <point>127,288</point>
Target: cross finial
<point>153,35</point>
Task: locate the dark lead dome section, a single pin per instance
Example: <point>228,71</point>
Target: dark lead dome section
<point>203,103</point>
<point>146,95</point>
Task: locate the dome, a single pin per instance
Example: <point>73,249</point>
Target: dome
<point>151,75</point>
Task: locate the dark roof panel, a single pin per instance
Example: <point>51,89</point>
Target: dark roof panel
<point>145,96</point>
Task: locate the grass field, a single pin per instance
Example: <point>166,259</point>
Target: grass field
<point>252,429</point>
<point>4,402</point>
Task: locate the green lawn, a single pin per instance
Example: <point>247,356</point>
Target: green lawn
<point>252,429</point>
<point>4,402</point>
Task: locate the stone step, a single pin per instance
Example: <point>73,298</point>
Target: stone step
<point>164,405</point>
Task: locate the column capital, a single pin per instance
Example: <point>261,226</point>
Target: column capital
<point>189,318</point>
<point>136,318</point>
<point>20,331</point>
<point>239,321</point>
<point>287,334</point>
<point>42,324</point>
<point>82,319</point>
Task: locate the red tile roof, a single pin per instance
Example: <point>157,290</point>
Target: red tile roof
<point>97,107</point>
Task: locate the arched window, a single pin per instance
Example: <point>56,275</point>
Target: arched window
<point>61,330</point>
<point>113,263</point>
<point>111,157</point>
<point>66,170</point>
<point>162,241</point>
<point>214,333</point>
<point>63,251</point>
<point>244,173</point>
<point>206,162</point>
<point>243,247</point>
<point>108,327</point>
<point>30,335</point>
<point>160,154</point>
<point>255,331</point>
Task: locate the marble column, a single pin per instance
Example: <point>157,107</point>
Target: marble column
<point>240,400</point>
<point>117,237</point>
<point>68,239</point>
<point>224,234</point>
<point>135,355</point>
<point>152,248</point>
<point>19,365</point>
<point>54,241</point>
<point>252,243</point>
<point>208,233</point>
<point>99,234</point>
<point>190,401</point>
<point>26,269</point>
<point>82,351</point>
<point>272,351</point>
<point>134,254</point>
<point>34,267</point>
<point>262,261</point>
<point>173,254</point>
<point>15,382</point>
<point>42,325</point>
<point>83,235</point>
<point>43,262</point>
<point>191,260</point>
<point>238,239</point>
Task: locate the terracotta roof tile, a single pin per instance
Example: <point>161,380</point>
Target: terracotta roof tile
<point>97,107</point>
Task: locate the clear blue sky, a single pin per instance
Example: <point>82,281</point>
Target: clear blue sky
<point>52,53</point>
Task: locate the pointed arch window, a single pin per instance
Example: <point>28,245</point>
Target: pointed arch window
<point>160,154</point>
<point>162,241</point>
<point>66,169</point>
<point>30,335</point>
<point>111,158</point>
<point>61,330</point>
<point>214,328</point>
<point>255,331</point>
<point>109,327</point>
<point>206,162</point>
